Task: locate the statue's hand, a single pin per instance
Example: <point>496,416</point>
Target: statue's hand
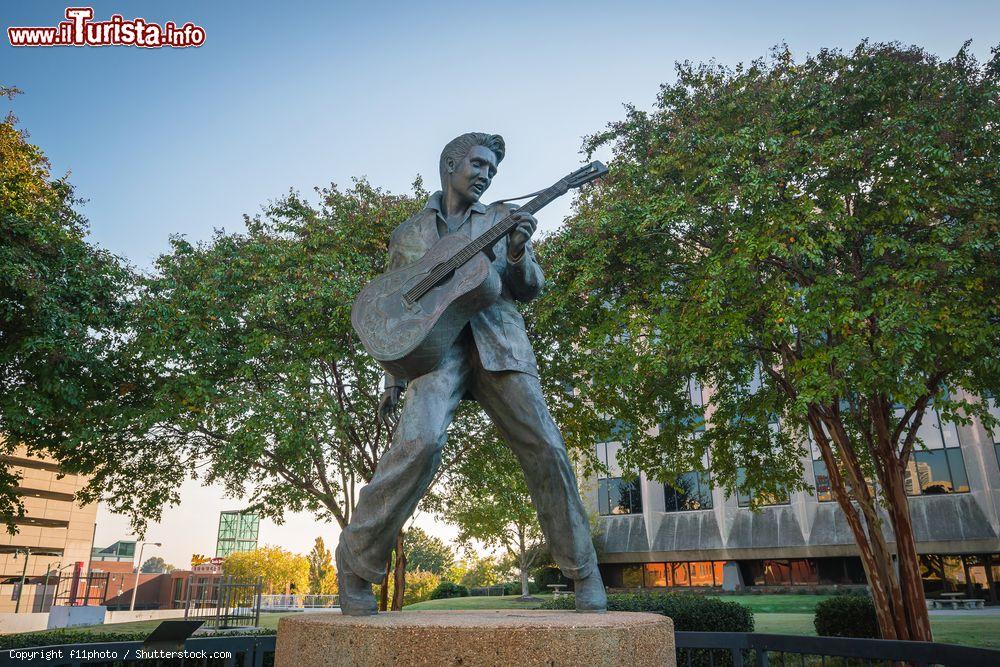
<point>519,236</point>
<point>387,406</point>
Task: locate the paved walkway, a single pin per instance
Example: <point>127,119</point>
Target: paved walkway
<point>985,611</point>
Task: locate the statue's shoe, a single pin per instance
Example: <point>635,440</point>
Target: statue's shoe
<point>590,594</point>
<point>356,597</point>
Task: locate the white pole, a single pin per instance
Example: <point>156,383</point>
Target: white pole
<point>138,567</point>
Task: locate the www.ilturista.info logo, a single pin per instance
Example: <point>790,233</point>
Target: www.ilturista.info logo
<point>80,30</point>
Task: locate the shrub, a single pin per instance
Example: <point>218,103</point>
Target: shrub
<point>846,616</point>
<point>420,586</point>
<point>448,589</point>
<point>512,588</point>
<point>689,612</point>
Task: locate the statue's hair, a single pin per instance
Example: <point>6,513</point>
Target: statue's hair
<point>459,147</point>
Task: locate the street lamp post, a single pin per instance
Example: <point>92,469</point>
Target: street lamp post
<point>138,567</point>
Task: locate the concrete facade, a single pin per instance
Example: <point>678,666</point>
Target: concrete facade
<point>58,531</point>
<point>961,523</point>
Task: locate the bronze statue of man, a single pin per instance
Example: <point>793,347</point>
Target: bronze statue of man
<point>492,362</point>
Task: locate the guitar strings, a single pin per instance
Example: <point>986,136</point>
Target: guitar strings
<point>475,246</point>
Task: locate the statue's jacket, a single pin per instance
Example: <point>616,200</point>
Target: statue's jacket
<point>498,330</point>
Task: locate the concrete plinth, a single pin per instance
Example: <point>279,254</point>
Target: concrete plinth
<point>476,638</point>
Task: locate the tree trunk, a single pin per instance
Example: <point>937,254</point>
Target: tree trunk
<point>914,609</point>
<point>872,560</point>
<point>383,600</point>
<point>399,575</point>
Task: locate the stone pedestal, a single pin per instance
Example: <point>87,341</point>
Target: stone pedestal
<point>476,638</point>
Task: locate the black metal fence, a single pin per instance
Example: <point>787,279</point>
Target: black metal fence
<point>224,603</point>
<point>752,649</point>
<point>230,651</point>
<point>737,649</point>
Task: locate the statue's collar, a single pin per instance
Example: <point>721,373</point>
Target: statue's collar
<point>434,203</point>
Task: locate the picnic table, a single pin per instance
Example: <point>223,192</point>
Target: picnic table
<point>955,601</point>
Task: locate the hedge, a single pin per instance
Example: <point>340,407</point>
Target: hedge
<point>847,616</point>
<point>689,612</point>
<point>447,589</point>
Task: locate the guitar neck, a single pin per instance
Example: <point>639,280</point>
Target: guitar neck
<point>507,224</point>
<point>484,241</point>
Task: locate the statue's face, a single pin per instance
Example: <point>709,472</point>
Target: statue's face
<point>472,176</point>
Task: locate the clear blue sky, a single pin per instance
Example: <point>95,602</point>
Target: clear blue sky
<point>299,94</point>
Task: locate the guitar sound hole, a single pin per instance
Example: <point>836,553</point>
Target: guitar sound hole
<point>451,274</point>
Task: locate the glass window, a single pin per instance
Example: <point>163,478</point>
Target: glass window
<point>690,491</point>
<point>824,493</point>
<point>804,572</point>
<point>616,494</point>
<point>743,498</point>
<point>777,573</point>
<point>632,576</point>
<point>702,573</point>
<point>679,574</point>
<point>994,408</point>
<point>938,468</point>
<point>655,575</point>
<point>696,394</point>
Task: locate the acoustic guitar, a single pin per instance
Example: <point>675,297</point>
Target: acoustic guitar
<point>407,318</point>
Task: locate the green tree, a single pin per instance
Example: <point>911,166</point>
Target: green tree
<point>426,552</point>
<point>420,585</point>
<point>63,304</point>
<point>156,564</point>
<point>483,571</point>
<point>282,571</point>
<point>320,565</point>
<point>486,496</point>
<point>817,242</point>
<point>253,377</point>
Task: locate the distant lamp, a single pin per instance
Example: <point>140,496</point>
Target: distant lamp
<point>138,568</point>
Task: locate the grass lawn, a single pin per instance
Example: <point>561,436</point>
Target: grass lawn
<point>778,604</point>
<point>968,630</point>
<point>477,602</point>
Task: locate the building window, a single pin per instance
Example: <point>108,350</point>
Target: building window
<point>655,575</point>
<point>690,491</point>
<point>938,467</point>
<point>696,573</point>
<point>824,493</point>
<point>994,408</point>
<point>744,498</point>
<point>616,494</point>
<point>632,576</point>
<point>801,572</point>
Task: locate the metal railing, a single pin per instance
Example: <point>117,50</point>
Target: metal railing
<point>746,649</point>
<point>228,651</point>
<point>226,602</point>
<point>295,601</point>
